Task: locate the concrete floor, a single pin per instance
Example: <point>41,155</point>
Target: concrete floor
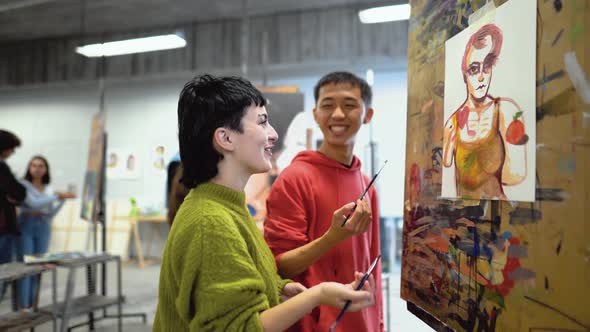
<point>140,287</point>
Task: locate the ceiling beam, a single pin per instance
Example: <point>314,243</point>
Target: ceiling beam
<point>8,5</point>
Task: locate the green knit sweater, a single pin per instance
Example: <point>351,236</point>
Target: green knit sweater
<point>217,272</point>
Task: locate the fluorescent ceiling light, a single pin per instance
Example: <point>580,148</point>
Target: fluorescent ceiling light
<point>370,77</point>
<point>137,45</point>
<point>385,14</point>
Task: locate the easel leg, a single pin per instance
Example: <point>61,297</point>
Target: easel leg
<point>138,245</point>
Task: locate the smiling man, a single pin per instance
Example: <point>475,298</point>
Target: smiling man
<point>311,198</point>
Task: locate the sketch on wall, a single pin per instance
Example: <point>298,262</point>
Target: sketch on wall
<point>114,163</point>
<point>489,109</point>
<point>159,155</point>
<point>122,164</point>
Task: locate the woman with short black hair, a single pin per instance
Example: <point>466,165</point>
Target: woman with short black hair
<point>217,272</point>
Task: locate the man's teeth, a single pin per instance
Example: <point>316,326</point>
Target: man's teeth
<point>338,129</point>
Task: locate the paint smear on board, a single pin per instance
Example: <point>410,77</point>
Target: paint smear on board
<point>567,164</point>
<point>557,5</point>
<point>518,251</point>
<point>557,37</point>
<point>577,76</point>
<point>550,194</point>
<point>523,216</point>
<point>521,274</point>
<point>576,31</point>
<point>439,89</point>
<point>551,77</point>
<point>474,211</point>
<point>563,103</point>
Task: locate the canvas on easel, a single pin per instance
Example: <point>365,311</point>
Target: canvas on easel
<point>93,180</point>
<point>488,264</point>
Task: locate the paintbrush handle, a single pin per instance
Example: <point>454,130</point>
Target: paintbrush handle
<point>348,303</point>
<point>348,216</point>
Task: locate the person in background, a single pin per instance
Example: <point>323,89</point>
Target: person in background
<point>176,195</point>
<point>172,167</point>
<point>12,193</point>
<point>307,202</point>
<point>40,206</point>
<point>217,273</point>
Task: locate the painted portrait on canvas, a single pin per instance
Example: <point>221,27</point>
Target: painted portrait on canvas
<point>487,133</point>
<point>483,265</point>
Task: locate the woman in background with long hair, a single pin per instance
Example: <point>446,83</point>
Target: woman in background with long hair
<point>40,206</point>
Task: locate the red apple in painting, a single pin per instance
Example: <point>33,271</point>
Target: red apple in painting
<point>515,132</point>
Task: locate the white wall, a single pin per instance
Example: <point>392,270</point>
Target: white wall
<point>389,130</point>
<point>52,122</point>
<point>55,121</point>
<point>141,116</point>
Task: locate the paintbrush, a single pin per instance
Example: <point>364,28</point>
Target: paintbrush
<point>364,193</point>
<point>358,287</point>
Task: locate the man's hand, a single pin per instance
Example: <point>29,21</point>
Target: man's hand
<point>291,289</point>
<point>296,261</point>
<point>357,224</point>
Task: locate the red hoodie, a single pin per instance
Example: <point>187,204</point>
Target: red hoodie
<point>300,207</point>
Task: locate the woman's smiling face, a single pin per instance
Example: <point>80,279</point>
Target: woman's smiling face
<point>254,145</point>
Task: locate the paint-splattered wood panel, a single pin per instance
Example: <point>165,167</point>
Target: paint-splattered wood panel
<point>501,266</point>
